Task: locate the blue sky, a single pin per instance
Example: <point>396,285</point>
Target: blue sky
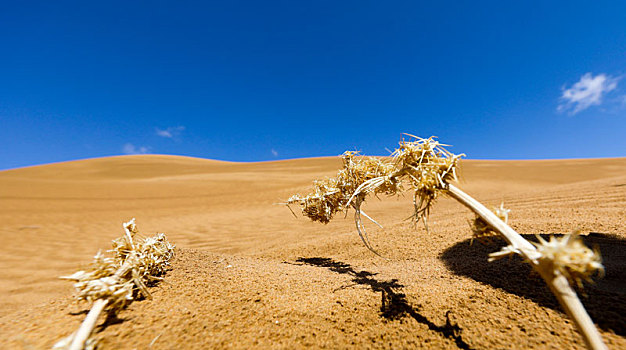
<point>265,80</point>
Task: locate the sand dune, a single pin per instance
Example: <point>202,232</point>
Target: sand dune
<point>294,283</point>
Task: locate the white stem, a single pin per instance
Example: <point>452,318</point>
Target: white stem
<point>558,284</point>
<point>505,230</point>
<point>78,343</point>
<point>361,229</point>
<point>83,333</point>
<point>370,219</point>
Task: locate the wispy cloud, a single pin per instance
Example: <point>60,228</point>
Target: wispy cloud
<point>129,148</point>
<point>274,153</point>
<point>171,132</point>
<point>587,92</point>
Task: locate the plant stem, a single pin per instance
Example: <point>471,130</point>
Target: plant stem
<point>558,284</point>
<point>78,343</point>
<point>83,333</point>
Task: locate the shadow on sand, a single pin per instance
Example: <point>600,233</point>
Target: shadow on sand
<point>605,300</point>
<point>394,304</point>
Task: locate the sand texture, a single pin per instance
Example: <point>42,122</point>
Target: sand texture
<point>248,274</point>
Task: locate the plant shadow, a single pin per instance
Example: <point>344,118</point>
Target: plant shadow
<point>605,300</point>
<point>394,304</point>
<point>110,320</point>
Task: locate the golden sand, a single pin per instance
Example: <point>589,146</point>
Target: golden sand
<point>249,274</point>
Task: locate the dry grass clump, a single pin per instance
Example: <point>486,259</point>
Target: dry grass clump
<point>123,277</point>
<point>359,177</point>
<point>425,166</point>
<point>429,167</point>
<point>113,282</point>
<point>333,195</point>
<point>101,283</point>
<point>568,256</point>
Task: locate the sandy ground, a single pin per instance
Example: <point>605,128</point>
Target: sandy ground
<point>247,274</point>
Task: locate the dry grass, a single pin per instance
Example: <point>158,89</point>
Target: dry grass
<point>423,165</point>
<point>114,282</point>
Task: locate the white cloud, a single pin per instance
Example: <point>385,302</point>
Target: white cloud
<point>274,153</point>
<point>129,148</point>
<point>588,91</point>
<point>171,132</point>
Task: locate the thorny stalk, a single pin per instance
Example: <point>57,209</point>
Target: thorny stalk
<point>428,168</point>
<point>555,276</point>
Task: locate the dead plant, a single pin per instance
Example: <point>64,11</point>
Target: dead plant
<point>427,168</point>
<point>113,282</point>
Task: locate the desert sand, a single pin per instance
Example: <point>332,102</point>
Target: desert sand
<point>248,274</point>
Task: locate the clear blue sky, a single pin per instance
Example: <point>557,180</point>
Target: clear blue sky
<point>264,80</point>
